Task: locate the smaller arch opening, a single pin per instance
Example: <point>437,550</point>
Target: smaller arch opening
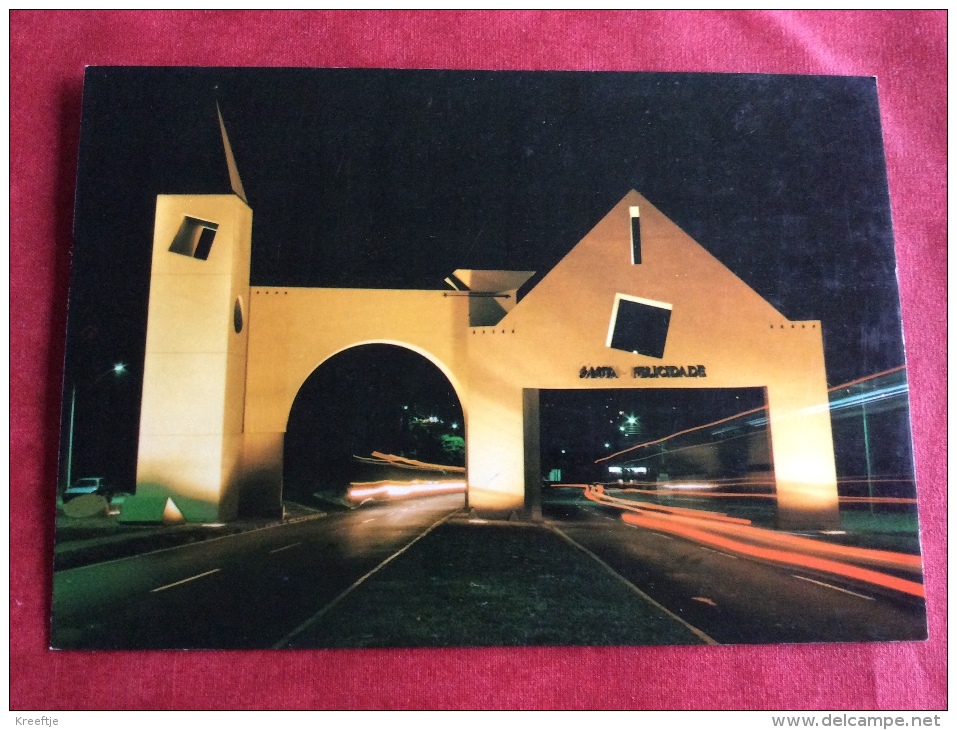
<point>372,422</point>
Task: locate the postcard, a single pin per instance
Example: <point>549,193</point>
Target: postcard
<point>401,358</point>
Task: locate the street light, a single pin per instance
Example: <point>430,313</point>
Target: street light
<point>117,370</point>
<point>867,448</point>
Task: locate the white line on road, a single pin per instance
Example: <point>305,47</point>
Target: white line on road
<point>284,642</point>
<point>193,545</point>
<point>836,588</point>
<point>718,552</point>
<point>693,629</point>
<point>279,550</point>
<point>185,580</point>
<point>368,520</point>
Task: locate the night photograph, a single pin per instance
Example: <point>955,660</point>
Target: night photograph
<point>368,358</point>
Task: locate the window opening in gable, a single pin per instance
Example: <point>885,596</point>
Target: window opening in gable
<point>635,235</point>
<point>639,326</point>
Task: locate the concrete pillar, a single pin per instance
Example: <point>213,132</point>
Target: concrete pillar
<point>803,455</point>
<point>533,454</point>
<point>194,374</point>
<point>260,487</point>
<point>496,434</point>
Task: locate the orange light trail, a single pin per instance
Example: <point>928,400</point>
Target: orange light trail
<point>866,378</point>
<point>901,560</point>
<point>739,415</point>
<point>681,433</point>
<point>600,495</point>
<point>662,487</point>
<point>404,463</point>
<point>760,495</point>
<point>685,448</point>
<point>779,556</point>
<point>701,528</point>
<point>385,489</point>
<point>723,481</point>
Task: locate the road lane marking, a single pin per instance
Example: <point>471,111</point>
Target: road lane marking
<point>718,552</point>
<point>628,584</point>
<point>185,580</point>
<point>284,642</point>
<point>368,520</point>
<point>193,545</point>
<point>836,588</point>
<point>279,550</point>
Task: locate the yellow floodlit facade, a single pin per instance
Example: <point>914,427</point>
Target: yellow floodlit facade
<point>192,438</point>
<point>636,300</point>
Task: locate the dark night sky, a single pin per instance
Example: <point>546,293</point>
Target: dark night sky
<point>367,178</point>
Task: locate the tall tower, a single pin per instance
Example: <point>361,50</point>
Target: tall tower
<point>190,459</point>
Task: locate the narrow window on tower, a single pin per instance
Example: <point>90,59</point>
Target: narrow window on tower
<point>635,235</point>
<point>194,238</point>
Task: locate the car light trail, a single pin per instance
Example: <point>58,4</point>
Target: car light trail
<point>778,556</point>
<point>681,433</point>
<point>385,490</point>
<point>769,495</point>
<point>600,496</point>
<point>380,459</point>
<point>702,487</point>
<point>768,545</point>
<point>743,530</point>
<point>687,490</point>
<point>879,394</point>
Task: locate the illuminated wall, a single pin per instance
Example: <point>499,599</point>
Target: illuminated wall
<point>634,296</point>
<point>294,330</point>
<point>686,310</point>
<point>191,422</point>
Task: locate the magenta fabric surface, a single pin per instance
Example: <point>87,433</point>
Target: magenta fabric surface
<point>906,51</point>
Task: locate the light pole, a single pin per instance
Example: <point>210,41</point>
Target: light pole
<point>117,370</point>
<point>867,448</point>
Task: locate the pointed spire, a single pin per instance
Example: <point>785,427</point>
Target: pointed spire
<point>234,181</point>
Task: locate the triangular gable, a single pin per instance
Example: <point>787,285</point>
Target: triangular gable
<point>709,306</point>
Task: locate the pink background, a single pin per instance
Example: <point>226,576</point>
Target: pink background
<point>907,53</point>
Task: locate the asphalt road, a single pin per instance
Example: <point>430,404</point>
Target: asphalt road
<point>735,599</point>
<point>244,591</point>
<point>264,588</point>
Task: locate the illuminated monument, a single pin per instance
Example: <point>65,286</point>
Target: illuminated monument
<point>636,303</point>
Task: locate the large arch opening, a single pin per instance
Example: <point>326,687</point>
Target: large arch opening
<point>374,422</point>
<point>699,448</point>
